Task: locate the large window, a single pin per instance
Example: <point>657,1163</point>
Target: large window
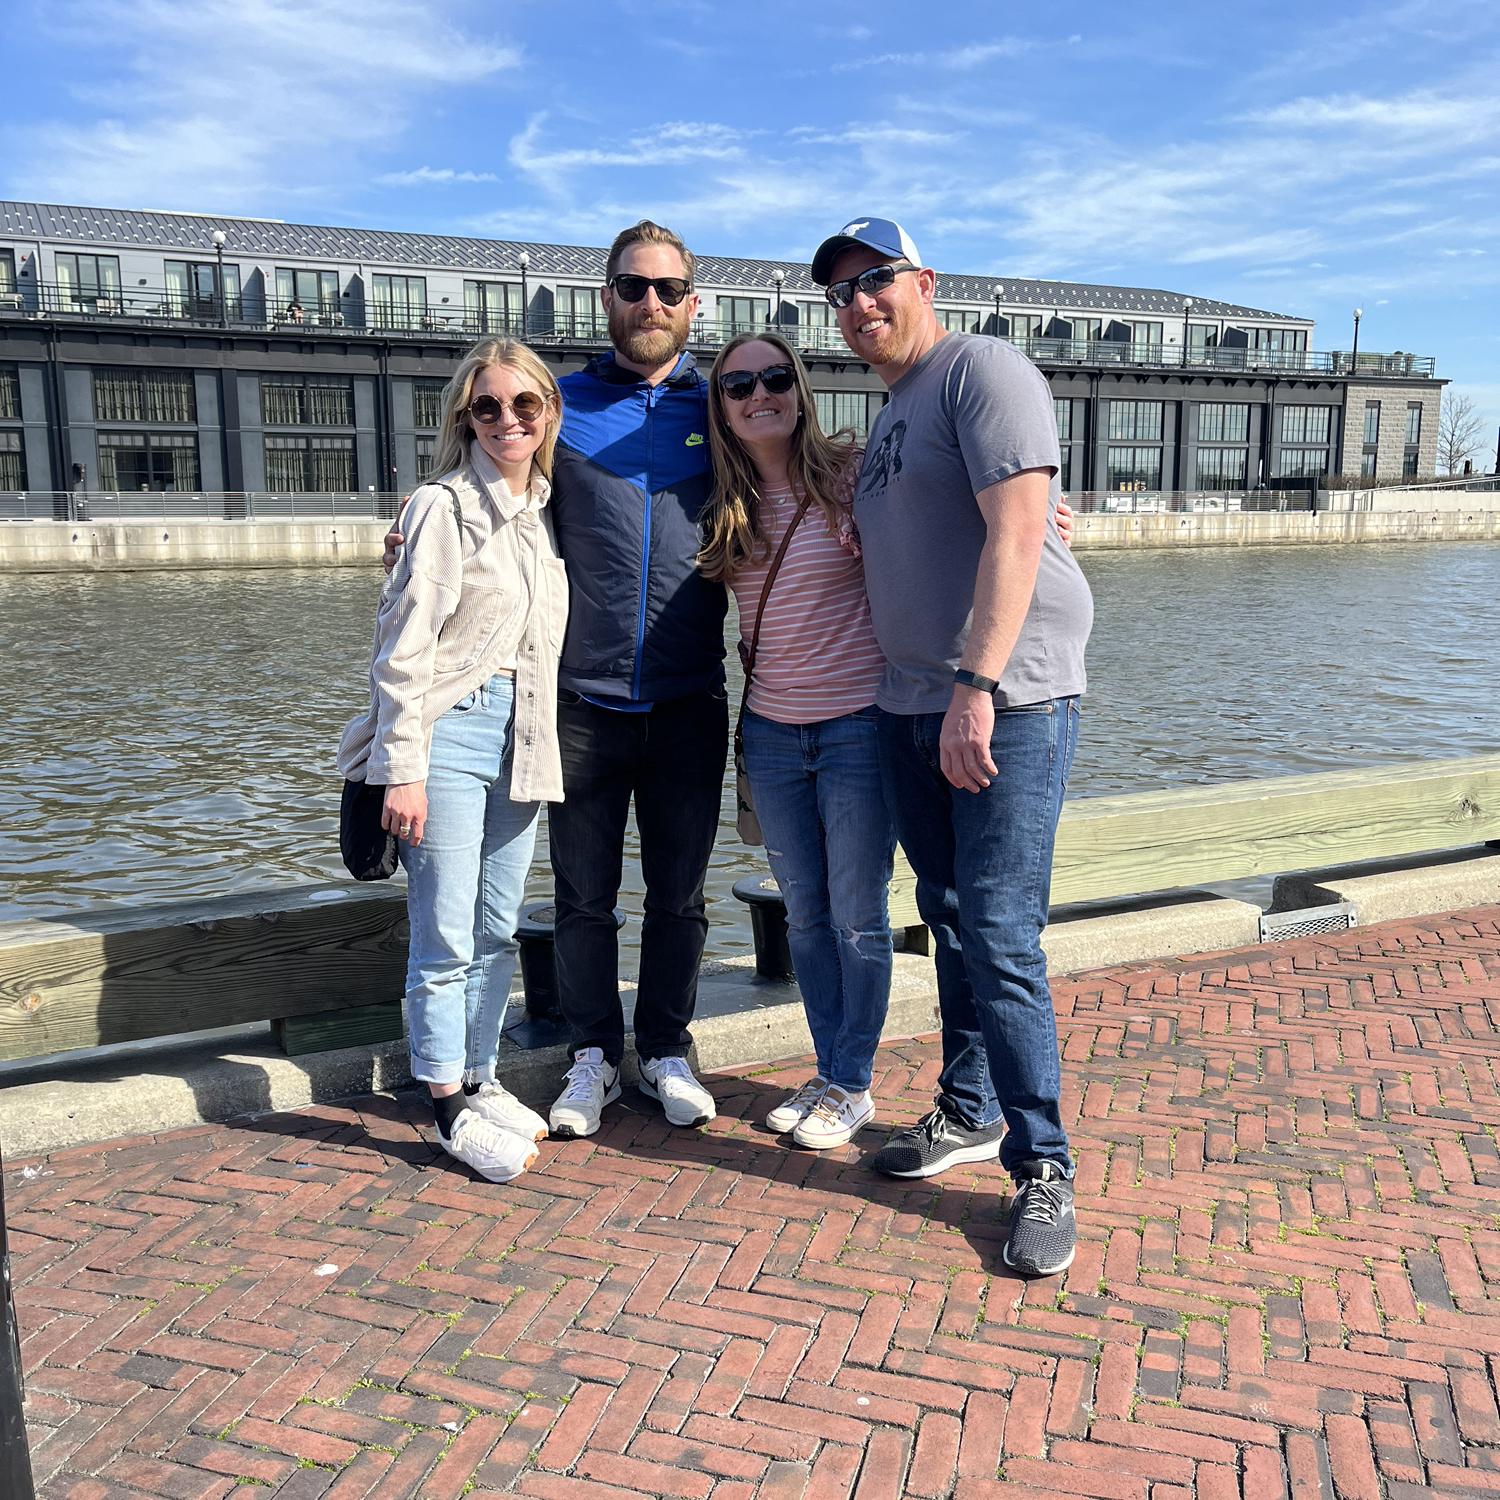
<point>1062,414</point>
<point>1288,340</point>
<point>1372,422</point>
<point>744,314</point>
<point>580,314</point>
<point>839,409</point>
<point>427,402</point>
<point>958,320</point>
<point>1144,335</point>
<point>144,396</point>
<point>1138,420</point>
<point>1413,424</point>
<point>1304,463</point>
<point>426,447</point>
<point>1088,330</point>
<point>1223,422</point>
<point>1306,424</point>
<point>1024,325</point>
<point>10,394</point>
<point>7,273</point>
<point>1222,468</point>
<point>1409,465</point>
<point>148,461</point>
<point>495,306</point>
<point>1203,336</point>
<point>317,465</point>
<point>398,301</point>
<point>303,295</point>
<point>306,401</point>
<point>88,283</point>
<point>817,315</point>
<point>1134,468</point>
<point>1367,465</point>
<point>12,462</point>
<point>193,290</point>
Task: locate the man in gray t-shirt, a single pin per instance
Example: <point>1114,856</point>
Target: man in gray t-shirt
<point>983,616</point>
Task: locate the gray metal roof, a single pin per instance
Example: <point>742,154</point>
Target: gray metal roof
<point>271,238</point>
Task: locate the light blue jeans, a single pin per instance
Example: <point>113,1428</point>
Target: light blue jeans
<point>464,886</point>
<point>829,842</point>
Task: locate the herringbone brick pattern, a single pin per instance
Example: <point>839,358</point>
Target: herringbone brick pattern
<point>1286,1284</point>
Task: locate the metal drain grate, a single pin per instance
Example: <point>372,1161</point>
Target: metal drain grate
<point>1305,923</point>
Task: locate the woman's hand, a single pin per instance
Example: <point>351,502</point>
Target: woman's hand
<point>1064,528</point>
<point>393,540</point>
<point>405,811</point>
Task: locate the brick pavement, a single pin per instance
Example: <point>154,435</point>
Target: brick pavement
<point>1286,1284</point>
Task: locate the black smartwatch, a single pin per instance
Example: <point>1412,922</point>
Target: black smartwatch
<point>974,680</point>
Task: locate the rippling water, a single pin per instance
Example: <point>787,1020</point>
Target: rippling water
<point>170,735</point>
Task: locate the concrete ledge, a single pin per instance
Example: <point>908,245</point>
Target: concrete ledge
<point>1383,895</point>
<point>1073,944</point>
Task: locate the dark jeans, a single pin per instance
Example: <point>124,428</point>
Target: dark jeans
<point>671,759</point>
<point>983,862</point>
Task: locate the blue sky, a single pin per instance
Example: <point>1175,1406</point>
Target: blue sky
<point>1304,158</point>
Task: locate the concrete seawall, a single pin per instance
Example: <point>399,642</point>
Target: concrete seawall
<point>124,546</point>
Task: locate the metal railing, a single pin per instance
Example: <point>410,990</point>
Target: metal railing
<point>365,317</point>
<point>82,506</point>
<point>1187,502</point>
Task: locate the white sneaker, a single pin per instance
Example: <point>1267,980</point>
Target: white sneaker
<point>591,1084</point>
<point>501,1107</point>
<point>835,1119</point>
<point>494,1153</point>
<point>791,1112</point>
<point>670,1081</point>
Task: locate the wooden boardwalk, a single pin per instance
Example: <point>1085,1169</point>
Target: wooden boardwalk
<point>1287,1285</point>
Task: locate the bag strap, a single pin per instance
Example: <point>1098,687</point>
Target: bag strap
<point>765,593</point>
<point>458,510</point>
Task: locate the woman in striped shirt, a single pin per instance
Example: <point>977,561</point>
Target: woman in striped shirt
<point>809,727</point>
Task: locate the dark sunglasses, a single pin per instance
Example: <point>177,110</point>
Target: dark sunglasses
<point>670,290</point>
<point>876,279</point>
<point>739,385</point>
<point>527,406</point>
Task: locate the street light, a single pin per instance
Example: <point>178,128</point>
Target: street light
<point>524,261</point>
<point>1359,312</point>
<point>999,292</point>
<point>218,239</point>
<point>778,279</point>
<point>1187,308</point>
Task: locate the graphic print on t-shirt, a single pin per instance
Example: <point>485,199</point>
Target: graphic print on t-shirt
<point>884,463</point>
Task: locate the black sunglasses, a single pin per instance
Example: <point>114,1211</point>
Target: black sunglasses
<point>876,279</point>
<point>670,290</point>
<point>528,406</point>
<point>739,385</point>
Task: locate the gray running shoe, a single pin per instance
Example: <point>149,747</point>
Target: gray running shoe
<point>1043,1230</point>
<point>936,1142</point>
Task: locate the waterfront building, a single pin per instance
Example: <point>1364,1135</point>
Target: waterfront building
<point>254,358</point>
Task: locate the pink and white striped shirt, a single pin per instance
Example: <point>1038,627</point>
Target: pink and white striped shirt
<point>817,658</point>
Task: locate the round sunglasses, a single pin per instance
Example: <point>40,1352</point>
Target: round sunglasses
<point>739,385</point>
<point>528,406</point>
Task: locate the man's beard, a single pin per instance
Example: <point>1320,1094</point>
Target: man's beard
<point>651,347</point>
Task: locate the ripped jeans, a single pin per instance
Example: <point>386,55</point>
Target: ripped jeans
<point>829,841</point>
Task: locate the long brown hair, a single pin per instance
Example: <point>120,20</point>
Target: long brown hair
<point>732,531</point>
<point>454,430</point>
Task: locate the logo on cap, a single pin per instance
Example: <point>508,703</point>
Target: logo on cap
<point>855,227</point>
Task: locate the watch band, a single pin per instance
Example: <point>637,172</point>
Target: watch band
<point>974,680</point>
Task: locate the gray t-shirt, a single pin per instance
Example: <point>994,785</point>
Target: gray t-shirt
<point>974,411</point>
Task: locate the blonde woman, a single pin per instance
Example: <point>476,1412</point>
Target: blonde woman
<point>461,732</point>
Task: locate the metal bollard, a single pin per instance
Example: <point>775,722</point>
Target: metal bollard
<point>773,956</point>
<point>15,1457</point>
<point>544,1025</point>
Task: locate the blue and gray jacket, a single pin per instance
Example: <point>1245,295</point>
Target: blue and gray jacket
<point>629,485</point>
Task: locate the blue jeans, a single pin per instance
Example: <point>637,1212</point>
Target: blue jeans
<point>983,862</point>
<point>464,885</point>
<point>817,790</point>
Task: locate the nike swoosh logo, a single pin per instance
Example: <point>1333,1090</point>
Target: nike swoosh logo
<point>694,440</point>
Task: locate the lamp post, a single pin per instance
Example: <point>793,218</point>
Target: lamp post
<point>524,262</point>
<point>999,292</point>
<point>218,239</point>
<point>1359,312</point>
<point>1187,308</point>
<point>778,280</point>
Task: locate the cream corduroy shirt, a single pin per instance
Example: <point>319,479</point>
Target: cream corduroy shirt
<point>459,606</point>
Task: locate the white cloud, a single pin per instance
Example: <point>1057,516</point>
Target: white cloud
<point>215,105</point>
<point>954,59</point>
<point>871,135</point>
<point>673,144</point>
<point>433,177</point>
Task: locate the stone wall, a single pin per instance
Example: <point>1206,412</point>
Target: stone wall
<point>1394,397</point>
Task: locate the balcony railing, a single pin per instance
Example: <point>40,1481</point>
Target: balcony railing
<point>1146,502</point>
<point>189,505</point>
<point>368,318</point>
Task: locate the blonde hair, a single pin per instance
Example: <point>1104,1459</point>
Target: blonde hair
<point>454,428</point>
<point>732,530</point>
<point>647,233</point>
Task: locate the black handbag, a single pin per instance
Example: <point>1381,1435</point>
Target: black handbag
<point>369,851</point>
